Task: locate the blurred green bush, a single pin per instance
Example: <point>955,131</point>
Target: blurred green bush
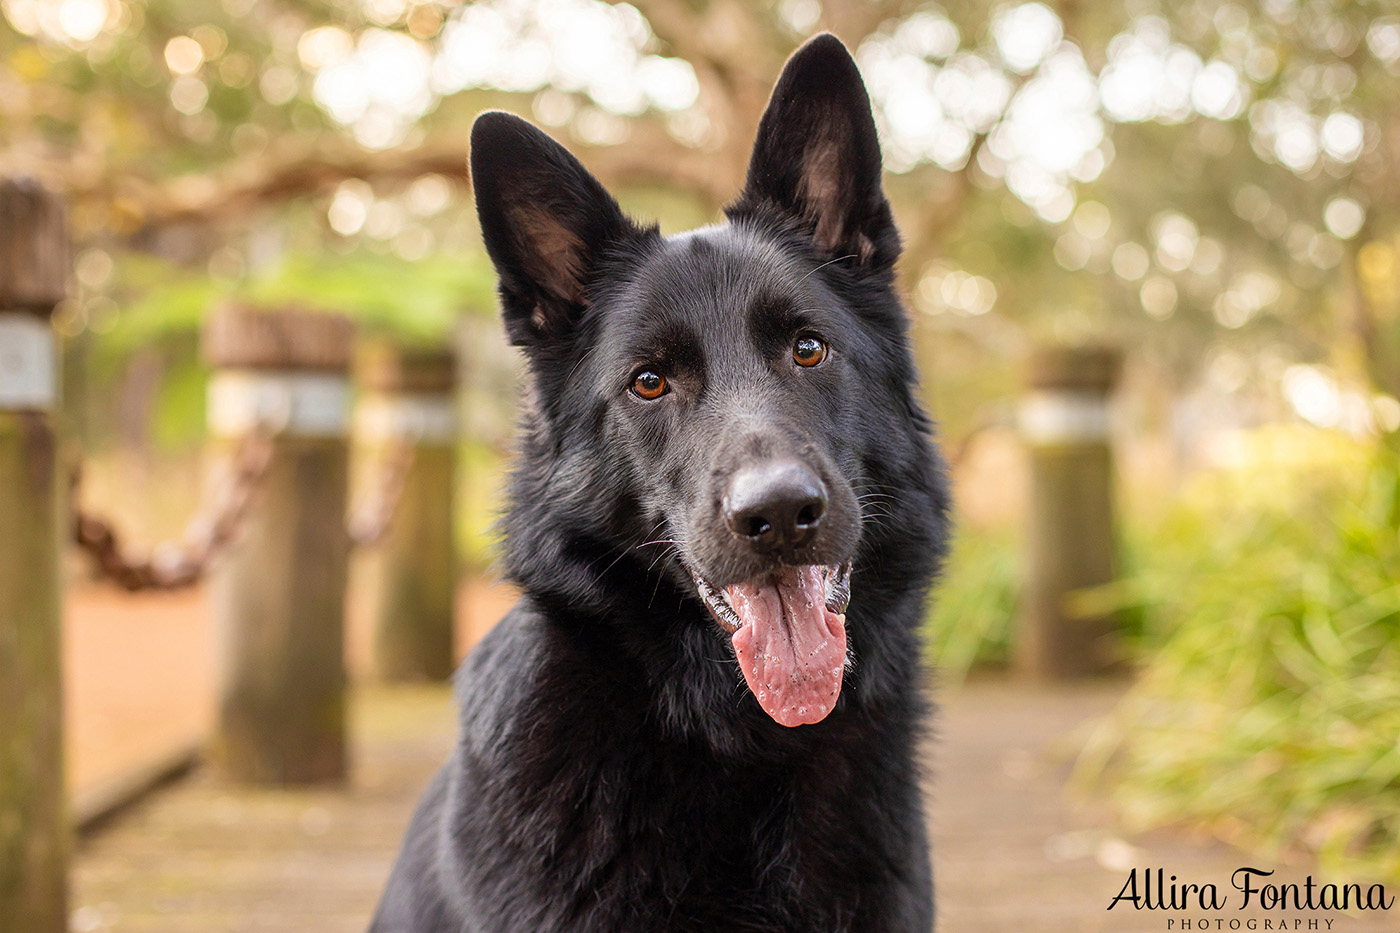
<point>974,603</point>
<point>139,365</point>
<point>1268,707</point>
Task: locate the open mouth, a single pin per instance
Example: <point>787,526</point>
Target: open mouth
<point>788,629</point>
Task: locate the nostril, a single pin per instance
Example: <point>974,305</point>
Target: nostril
<point>757,527</point>
<point>810,514</point>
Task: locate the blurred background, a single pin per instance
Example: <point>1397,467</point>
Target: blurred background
<point>1199,198</point>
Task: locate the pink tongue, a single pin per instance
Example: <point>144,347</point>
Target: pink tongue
<point>791,648</point>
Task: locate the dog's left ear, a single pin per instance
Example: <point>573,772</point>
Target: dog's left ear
<point>817,157</point>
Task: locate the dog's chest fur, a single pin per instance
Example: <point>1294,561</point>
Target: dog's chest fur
<point>571,828</point>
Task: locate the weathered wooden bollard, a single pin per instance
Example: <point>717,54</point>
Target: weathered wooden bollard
<point>1064,423</point>
<point>408,422</point>
<point>33,825</point>
<point>278,595</point>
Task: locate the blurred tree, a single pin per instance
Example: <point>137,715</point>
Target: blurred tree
<point>1211,181</point>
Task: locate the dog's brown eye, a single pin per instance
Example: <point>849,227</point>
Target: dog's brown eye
<point>649,385</point>
<point>808,351</point>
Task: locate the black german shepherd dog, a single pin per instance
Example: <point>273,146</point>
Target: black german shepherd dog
<point>727,510</point>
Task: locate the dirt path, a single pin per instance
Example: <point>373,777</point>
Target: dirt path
<point>137,676</point>
<point>140,672</point>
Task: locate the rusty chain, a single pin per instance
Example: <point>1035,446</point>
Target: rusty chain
<point>173,565</point>
<point>372,519</point>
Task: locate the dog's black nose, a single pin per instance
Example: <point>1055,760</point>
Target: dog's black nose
<point>775,505</point>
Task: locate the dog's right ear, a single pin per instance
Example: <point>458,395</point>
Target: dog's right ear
<point>546,222</point>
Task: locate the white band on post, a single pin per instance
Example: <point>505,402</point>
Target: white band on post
<point>424,418</point>
<point>299,403</point>
<point>28,363</point>
<point>1051,416</point>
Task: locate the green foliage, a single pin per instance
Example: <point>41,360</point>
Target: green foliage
<point>1269,706</point>
<point>163,306</point>
<point>417,301</point>
<point>159,299</point>
<point>157,114</point>
<point>178,417</point>
<point>409,300</point>
<point>974,604</point>
<point>480,499</point>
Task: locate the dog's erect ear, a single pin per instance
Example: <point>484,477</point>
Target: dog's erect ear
<point>546,221</point>
<point>817,156</point>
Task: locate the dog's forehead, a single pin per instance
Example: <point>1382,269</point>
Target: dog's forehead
<point>719,272</point>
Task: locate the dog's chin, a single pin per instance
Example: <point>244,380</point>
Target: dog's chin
<point>788,629</point>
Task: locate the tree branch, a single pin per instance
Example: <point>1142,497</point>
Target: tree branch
<point>649,157</point>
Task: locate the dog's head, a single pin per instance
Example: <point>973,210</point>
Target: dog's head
<point>728,408</point>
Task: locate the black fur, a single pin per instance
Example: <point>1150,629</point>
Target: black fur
<point>614,773</point>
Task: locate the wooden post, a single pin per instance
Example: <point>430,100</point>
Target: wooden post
<point>33,823</point>
<point>278,595</point>
<point>411,571</point>
<point>1064,423</point>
